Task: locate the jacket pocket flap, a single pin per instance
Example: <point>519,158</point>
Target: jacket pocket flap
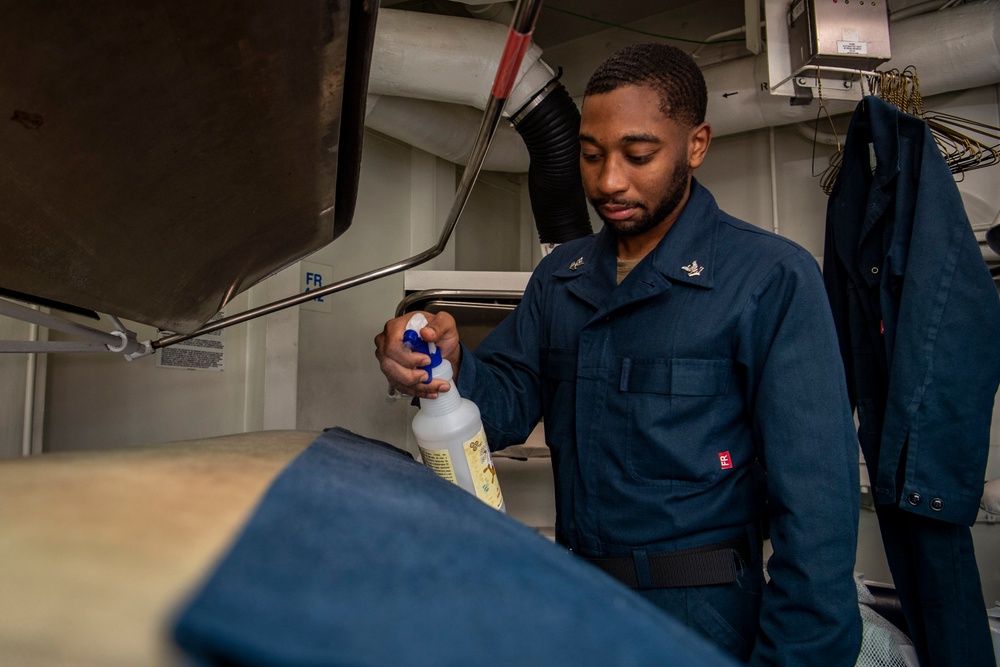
<point>676,377</point>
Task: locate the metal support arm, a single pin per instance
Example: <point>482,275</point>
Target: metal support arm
<point>94,340</point>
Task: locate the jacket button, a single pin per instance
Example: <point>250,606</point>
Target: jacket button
<point>874,270</point>
<point>914,499</point>
<point>937,504</point>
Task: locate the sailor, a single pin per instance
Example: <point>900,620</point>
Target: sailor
<point>688,373</point>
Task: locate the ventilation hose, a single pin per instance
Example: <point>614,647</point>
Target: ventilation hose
<point>549,124</point>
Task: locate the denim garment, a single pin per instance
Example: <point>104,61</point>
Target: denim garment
<point>680,404</point>
<point>358,555</point>
<point>918,318</point>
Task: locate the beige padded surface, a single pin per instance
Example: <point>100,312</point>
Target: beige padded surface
<point>991,497</point>
<point>98,549</point>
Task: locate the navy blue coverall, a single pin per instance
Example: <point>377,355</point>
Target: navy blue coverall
<point>681,406</point>
<point>919,323</point>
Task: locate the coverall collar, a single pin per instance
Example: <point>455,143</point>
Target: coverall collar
<point>686,254</point>
<point>885,143</point>
<point>879,162</point>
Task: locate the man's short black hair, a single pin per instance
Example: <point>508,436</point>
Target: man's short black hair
<point>669,71</point>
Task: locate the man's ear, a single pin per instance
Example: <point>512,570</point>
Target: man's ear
<point>699,138</point>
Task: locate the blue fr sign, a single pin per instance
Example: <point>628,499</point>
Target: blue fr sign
<point>313,277</point>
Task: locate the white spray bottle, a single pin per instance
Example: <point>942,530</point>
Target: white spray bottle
<point>449,430</point>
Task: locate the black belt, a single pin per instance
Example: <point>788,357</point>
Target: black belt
<point>716,563</point>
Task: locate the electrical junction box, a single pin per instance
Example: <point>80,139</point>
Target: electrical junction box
<point>852,34</point>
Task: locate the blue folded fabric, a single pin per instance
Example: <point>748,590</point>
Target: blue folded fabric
<point>358,555</point>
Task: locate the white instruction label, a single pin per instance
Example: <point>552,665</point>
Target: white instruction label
<point>853,48</point>
<point>204,353</point>
<point>439,461</point>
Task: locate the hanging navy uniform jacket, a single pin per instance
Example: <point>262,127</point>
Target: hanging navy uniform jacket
<point>666,398</point>
<point>917,314</point>
<point>918,318</point>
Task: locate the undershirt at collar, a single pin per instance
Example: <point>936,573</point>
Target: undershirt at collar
<point>625,266</point>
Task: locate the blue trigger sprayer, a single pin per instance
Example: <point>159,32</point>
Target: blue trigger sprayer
<point>449,429</point>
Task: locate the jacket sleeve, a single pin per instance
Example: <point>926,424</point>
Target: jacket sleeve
<point>804,437</point>
<point>944,362</point>
<point>502,377</point>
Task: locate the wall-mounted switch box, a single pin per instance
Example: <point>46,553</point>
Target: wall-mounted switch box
<point>851,34</point>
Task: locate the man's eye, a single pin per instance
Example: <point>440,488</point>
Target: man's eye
<point>640,159</point>
<point>590,157</point>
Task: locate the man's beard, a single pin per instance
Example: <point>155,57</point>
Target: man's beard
<point>668,203</point>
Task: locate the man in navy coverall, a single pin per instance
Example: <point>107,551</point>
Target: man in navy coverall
<point>690,380</point>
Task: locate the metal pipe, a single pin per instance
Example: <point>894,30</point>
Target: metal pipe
<point>518,39</point>
<point>917,9</point>
<point>719,35</point>
<point>774,179</point>
<point>445,130</point>
<point>49,346</point>
<point>28,426</point>
<point>447,59</point>
<point>822,68</point>
<point>44,319</point>
<point>813,134</point>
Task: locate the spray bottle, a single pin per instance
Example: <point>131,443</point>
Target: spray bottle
<point>449,430</point>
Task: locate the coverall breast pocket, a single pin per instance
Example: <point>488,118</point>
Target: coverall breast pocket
<point>673,435</point>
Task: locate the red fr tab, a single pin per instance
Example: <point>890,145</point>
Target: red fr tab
<point>725,460</point>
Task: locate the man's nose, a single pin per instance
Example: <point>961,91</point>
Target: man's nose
<point>612,177</point>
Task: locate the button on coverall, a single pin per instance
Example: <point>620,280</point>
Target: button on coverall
<point>683,405</point>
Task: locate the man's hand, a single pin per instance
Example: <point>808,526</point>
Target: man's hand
<point>401,366</point>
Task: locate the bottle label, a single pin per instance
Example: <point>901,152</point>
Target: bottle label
<point>484,475</point>
<point>439,461</point>
<point>480,462</point>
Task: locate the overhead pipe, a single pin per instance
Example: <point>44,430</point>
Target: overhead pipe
<point>919,8</point>
<point>447,59</point>
<point>30,380</point>
<point>433,66</point>
<point>443,58</point>
<point>500,12</point>
<point>444,130</point>
<point>954,49</point>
